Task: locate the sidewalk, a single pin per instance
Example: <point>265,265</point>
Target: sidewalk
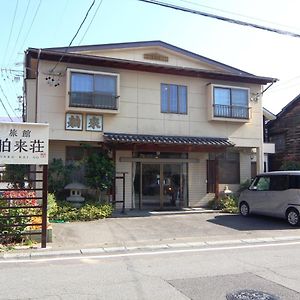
<point>146,231</point>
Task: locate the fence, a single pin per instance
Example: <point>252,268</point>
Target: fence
<point>23,207</point>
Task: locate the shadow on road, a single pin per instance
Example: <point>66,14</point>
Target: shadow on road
<point>240,223</point>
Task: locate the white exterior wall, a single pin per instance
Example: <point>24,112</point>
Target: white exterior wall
<point>140,113</point>
<point>245,166</point>
<point>127,168</point>
<point>57,149</point>
<point>197,180</point>
<point>140,109</point>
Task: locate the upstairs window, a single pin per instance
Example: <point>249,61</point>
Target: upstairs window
<point>97,90</point>
<point>173,99</point>
<point>231,102</point>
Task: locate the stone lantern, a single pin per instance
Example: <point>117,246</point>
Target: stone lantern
<point>76,189</point>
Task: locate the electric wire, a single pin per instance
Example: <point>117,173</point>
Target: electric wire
<point>86,15</point>
<point>222,18</point>
<point>11,29</point>
<point>29,29</point>
<point>6,110</point>
<point>5,97</point>
<point>237,14</point>
<point>8,82</point>
<point>60,19</point>
<point>20,30</point>
<point>90,22</point>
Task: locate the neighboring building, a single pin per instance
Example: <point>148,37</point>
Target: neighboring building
<point>180,125</point>
<point>268,148</point>
<point>284,132</point>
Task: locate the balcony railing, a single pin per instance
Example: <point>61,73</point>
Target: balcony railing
<point>93,100</point>
<point>232,112</point>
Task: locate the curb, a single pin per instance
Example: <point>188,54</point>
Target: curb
<point>131,214</point>
<point>86,252</point>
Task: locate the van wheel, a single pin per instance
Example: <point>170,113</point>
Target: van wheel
<point>244,209</point>
<point>292,216</point>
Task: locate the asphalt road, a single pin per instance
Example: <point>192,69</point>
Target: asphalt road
<point>158,229</point>
<point>206,273</point>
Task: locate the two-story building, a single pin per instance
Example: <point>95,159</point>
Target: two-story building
<point>284,132</point>
<point>180,125</point>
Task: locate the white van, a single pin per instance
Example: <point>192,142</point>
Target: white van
<point>274,194</point>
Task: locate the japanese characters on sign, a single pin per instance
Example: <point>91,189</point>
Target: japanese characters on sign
<point>94,122</point>
<point>24,143</point>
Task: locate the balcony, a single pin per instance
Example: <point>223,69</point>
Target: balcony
<point>93,101</point>
<point>231,112</point>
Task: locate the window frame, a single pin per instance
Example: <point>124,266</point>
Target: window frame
<point>169,99</point>
<point>87,108</point>
<point>230,116</point>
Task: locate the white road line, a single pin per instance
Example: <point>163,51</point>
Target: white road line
<point>148,253</point>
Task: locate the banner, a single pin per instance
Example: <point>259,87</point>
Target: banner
<point>24,143</point>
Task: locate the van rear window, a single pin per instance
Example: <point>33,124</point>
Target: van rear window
<point>294,182</point>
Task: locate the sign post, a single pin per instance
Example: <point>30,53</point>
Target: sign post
<point>27,144</point>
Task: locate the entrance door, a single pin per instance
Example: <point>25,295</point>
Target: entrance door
<point>163,185</point>
<point>171,193</point>
<point>211,169</point>
<point>151,183</point>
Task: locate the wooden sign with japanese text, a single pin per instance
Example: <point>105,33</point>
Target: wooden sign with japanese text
<point>24,143</point>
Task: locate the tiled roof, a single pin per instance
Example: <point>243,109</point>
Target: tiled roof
<point>169,140</point>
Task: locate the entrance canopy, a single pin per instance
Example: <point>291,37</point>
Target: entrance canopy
<point>142,139</point>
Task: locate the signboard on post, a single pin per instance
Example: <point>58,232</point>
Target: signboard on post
<point>24,143</point>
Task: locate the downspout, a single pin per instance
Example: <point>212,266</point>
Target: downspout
<point>36,84</point>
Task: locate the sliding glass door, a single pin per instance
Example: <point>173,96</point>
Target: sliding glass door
<point>160,185</point>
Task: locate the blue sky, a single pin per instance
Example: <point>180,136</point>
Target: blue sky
<point>255,51</point>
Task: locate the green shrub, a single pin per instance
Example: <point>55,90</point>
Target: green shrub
<point>99,171</point>
<point>59,175</point>
<point>290,165</point>
<point>52,205</point>
<point>15,175</point>
<point>64,211</point>
<point>227,204</point>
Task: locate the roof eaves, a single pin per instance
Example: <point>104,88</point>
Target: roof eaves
<point>286,108</point>
<point>151,43</point>
<point>121,63</point>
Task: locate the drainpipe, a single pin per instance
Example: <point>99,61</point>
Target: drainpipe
<point>36,84</point>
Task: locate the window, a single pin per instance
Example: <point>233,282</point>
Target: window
<point>75,153</point>
<point>173,98</point>
<point>93,90</point>
<point>271,183</point>
<point>228,167</point>
<point>262,184</point>
<point>230,102</point>
<point>294,182</point>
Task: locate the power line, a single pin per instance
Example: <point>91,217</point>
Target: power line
<point>6,110</point>
<point>86,15</point>
<point>221,18</point>
<point>29,29</point>
<point>7,100</point>
<point>11,29</point>
<point>9,84</point>
<point>60,19</point>
<point>236,14</point>
<point>90,22</point>
<point>21,27</point>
